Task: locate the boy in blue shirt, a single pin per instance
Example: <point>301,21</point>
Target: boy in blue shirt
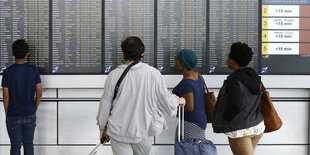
<point>20,83</point>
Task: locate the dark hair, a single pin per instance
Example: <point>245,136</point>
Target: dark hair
<point>132,48</point>
<point>241,53</point>
<point>20,49</point>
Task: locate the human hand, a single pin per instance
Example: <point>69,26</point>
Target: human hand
<point>182,101</point>
<point>103,133</point>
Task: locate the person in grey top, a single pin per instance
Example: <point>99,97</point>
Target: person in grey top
<point>140,104</point>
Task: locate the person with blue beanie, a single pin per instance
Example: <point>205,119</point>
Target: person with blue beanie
<point>187,58</point>
<point>192,89</point>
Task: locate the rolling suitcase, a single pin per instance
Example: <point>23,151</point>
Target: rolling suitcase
<point>192,146</point>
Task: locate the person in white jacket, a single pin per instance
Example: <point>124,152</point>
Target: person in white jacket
<point>137,113</point>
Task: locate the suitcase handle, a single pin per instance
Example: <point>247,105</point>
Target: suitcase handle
<point>181,124</point>
<point>102,139</point>
<point>94,151</point>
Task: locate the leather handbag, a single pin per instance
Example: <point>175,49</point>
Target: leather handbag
<point>210,101</point>
<point>272,120</point>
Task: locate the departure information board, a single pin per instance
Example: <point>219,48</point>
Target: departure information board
<point>125,18</point>
<point>77,36</point>
<point>84,36</point>
<point>29,20</point>
<point>285,37</point>
<point>232,21</point>
<point>181,24</point>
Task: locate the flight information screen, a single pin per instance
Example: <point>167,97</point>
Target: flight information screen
<point>84,36</point>
<point>232,21</point>
<point>285,37</point>
<point>29,20</point>
<point>76,36</point>
<point>125,18</point>
<point>181,24</point>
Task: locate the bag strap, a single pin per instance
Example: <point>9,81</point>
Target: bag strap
<point>119,83</point>
<point>262,87</point>
<point>122,78</point>
<point>204,82</point>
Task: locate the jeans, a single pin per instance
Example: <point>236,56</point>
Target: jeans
<point>21,131</point>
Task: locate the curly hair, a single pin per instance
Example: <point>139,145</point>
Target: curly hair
<point>241,53</point>
<point>20,49</point>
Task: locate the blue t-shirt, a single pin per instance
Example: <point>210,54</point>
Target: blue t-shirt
<point>198,116</point>
<point>21,80</point>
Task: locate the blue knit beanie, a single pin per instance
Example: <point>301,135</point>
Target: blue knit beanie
<point>188,58</point>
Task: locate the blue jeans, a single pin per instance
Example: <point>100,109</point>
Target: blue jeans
<point>21,131</point>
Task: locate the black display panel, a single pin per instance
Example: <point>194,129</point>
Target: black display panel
<point>232,21</point>
<point>285,37</point>
<point>76,40</point>
<point>181,24</point>
<point>29,20</point>
<point>84,36</point>
<point>125,18</point>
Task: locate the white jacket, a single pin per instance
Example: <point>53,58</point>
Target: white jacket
<point>139,106</point>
